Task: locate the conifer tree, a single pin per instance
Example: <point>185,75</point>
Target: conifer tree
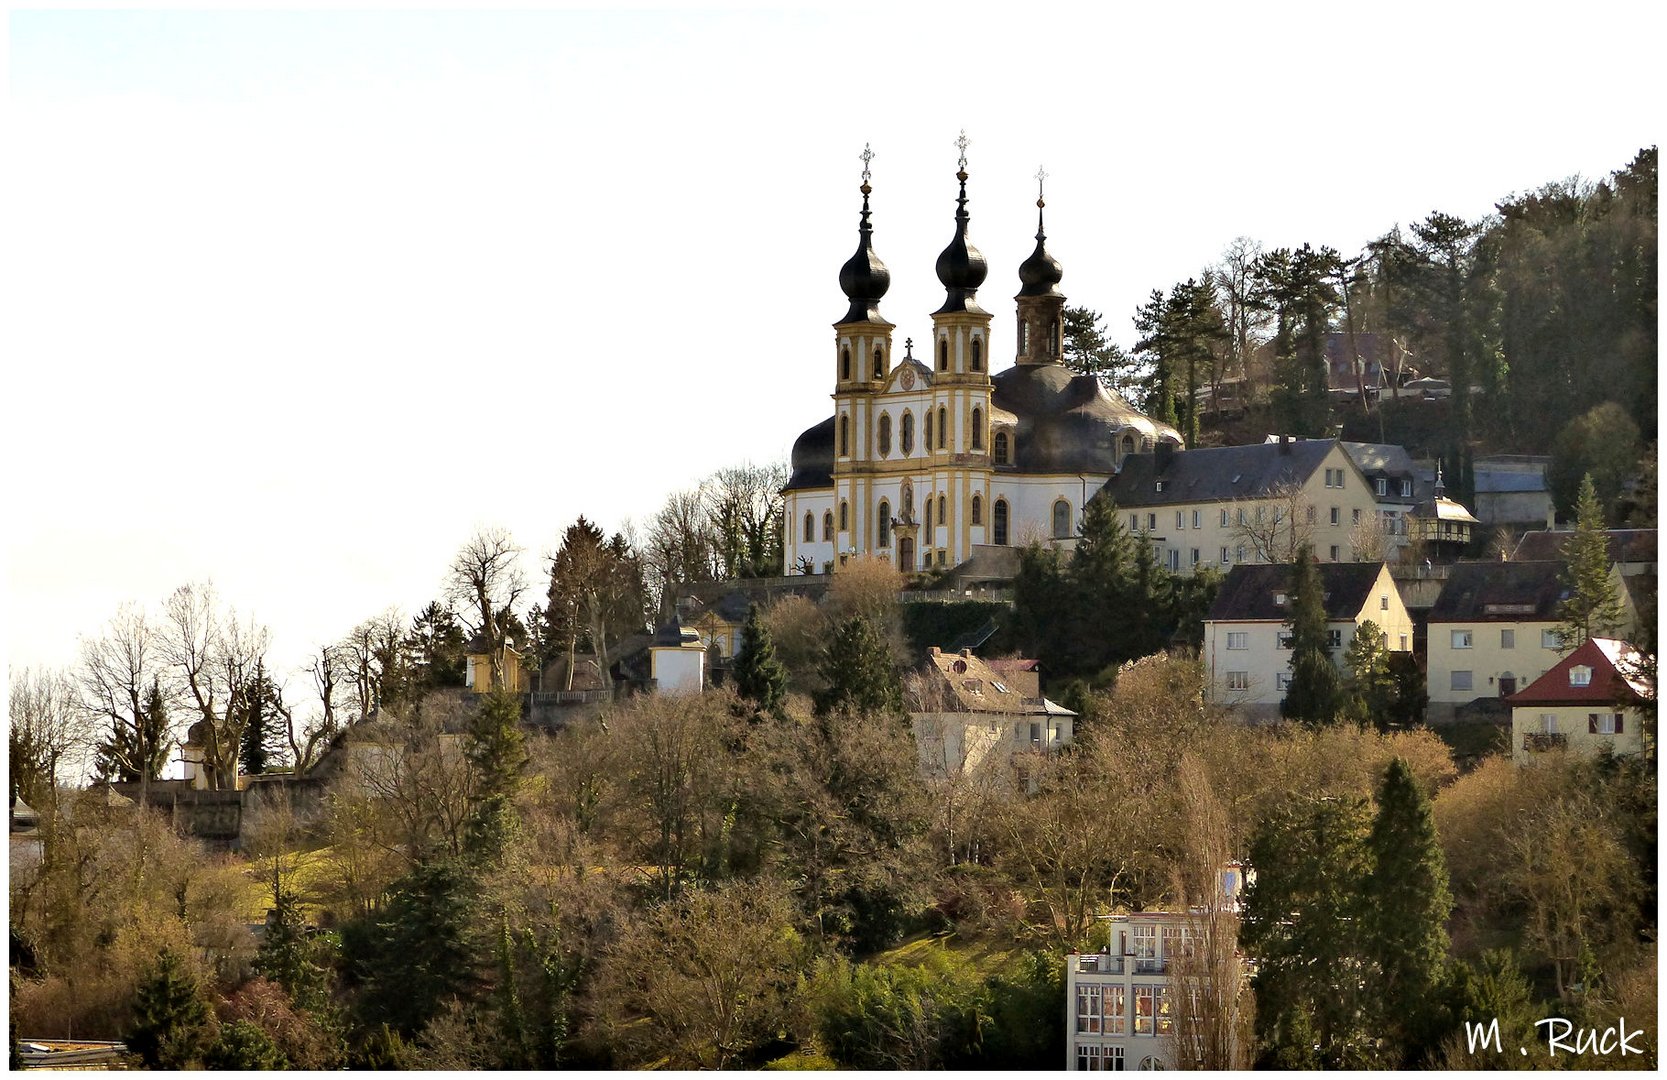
<point>495,748</point>
<point>1407,904</point>
<point>1591,607</point>
<point>859,674</point>
<point>759,676</point>
<point>1371,685</point>
<point>170,1017</point>
<point>1315,693</point>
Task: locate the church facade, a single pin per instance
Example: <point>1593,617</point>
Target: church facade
<point>927,458</point>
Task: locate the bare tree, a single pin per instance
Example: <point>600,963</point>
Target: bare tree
<point>485,585</point>
<point>48,737</point>
<point>1275,524</point>
<point>681,546</point>
<point>1370,540</point>
<point>961,757</point>
<point>1247,322</point>
<point>218,663</point>
<point>745,507</point>
<point>120,675</point>
<point>596,587</point>
<point>369,660</point>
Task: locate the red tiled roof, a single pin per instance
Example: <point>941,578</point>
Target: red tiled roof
<point>1610,685</point>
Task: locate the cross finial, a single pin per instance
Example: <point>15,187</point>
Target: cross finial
<point>867,155</point>
<point>908,348</point>
<point>1041,175</point>
<point>961,144</point>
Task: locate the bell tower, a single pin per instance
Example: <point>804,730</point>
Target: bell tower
<point>1041,306</point>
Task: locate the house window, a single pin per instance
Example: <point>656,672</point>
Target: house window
<point>928,513</point>
<point>1174,559</point>
<point>943,511</point>
<point>1383,602</point>
<point>943,355</point>
<point>827,525</point>
<point>1000,522</point>
<point>1548,723</point>
<point>1406,489</point>
<point>1356,514</point>
<point>1604,723</point>
<point>977,354</point>
<point>1090,1010</point>
<point>1507,639</point>
<point>1061,519</point>
<point>977,510</point>
<point>1403,643</point>
<point>1382,485</point>
<point>1180,519</point>
<point>810,528</point>
<point>1195,559</point>
<point>879,363</point>
<point>1088,1057</point>
<point>1224,555</point>
<point>906,433</point>
<point>1145,937</point>
<point>1311,512</point>
<point>1115,1009</point>
<point>1238,680</point>
<point>844,436</point>
<point>1336,553</point>
<point>1152,522</point>
<point>1282,681</point>
<point>844,515</point>
<point>1238,553</point>
<point>1462,639</point>
<point>1145,1009</point>
<point>927,445</point>
<point>1334,639</point>
<point>943,426</point>
<point>1580,675</point>
<point>845,363</point>
<point>1001,448</point>
<point>1224,519</point>
<point>977,429</point>
<point>1197,519</point>
<point>1134,522</point>
<point>885,433</point>
<point>1283,639</point>
<point>885,524</point>
<point>1459,680</point>
<point>1334,515</point>
<point>1550,639</point>
<point>1241,515</point>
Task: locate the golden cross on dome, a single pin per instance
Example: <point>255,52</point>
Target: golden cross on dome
<point>961,143</point>
<point>867,155</point>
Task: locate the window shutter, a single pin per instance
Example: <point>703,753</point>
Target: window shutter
<point>1618,722</point>
<point>1592,723</point>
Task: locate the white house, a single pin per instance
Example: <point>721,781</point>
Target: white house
<point>968,713</point>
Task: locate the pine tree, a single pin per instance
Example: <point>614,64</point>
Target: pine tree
<point>1407,904</point>
<point>245,1046</point>
<point>859,673</point>
<point>426,950</point>
<point>1315,693</point>
<point>496,750</point>
<point>1371,685</point>
<point>759,676</point>
<point>170,1017</point>
<point>1591,606</point>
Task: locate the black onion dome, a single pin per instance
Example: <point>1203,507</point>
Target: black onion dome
<point>813,458</point>
<point>1040,274</point>
<point>961,267</point>
<point>864,278</point>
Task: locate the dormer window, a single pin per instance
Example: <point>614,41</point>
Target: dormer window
<point>1158,487</point>
<point>1580,675</point>
<point>1278,599</point>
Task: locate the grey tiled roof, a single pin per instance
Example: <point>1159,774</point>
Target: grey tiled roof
<point>1215,474</point>
<point>1249,590</point>
<point>1625,545</point>
<point>1499,592</point>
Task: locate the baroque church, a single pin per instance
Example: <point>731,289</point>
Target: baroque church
<point>926,459</point>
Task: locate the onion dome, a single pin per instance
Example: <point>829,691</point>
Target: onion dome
<point>864,278</point>
<point>1039,275</point>
<point>961,267</point>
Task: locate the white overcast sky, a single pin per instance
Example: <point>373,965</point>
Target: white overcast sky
<point>296,300</point>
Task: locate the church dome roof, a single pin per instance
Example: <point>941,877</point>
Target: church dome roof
<point>1040,274</point>
<point>864,278</point>
<point>1070,423</point>
<point>961,267</point>
<point>813,458</point>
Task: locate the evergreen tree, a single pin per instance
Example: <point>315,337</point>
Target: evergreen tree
<point>1370,686</point>
<point>1040,595</point>
<point>1407,903</point>
<point>424,951</point>
<point>262,743</point>
<point>1315,693</point>
<point>859,674</point>
<point>245,1046</point>
<point>288,957</point>
<point>1591,606</point>
<point>1099,578</point>
<point>1297,286</point>
<point>495,748</point>
<point>115,757</point>
<point>170,1017</point>
<point>1304,922</point>
<point>1089,352</point>
<point>759,676</point>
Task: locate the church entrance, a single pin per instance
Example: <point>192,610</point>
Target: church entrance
<point>905,554</point>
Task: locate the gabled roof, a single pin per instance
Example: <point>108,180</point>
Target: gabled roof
<point>1249,591</point>
<point>968,684</point>
<point>1625,545</point>
<point>1381,459</point>
<point>1499,592</point>
<point>1613,681</point>
<point>1216,474</point>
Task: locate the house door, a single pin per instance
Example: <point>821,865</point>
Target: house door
<point>1507,684</point>
<point>905,554</point>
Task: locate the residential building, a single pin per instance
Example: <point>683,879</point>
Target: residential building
<point>1247,652</point>
<point>477,667</point>
<point>1493,630</point>
<point>1126,1005</point>
<point>1393,478</point>
<point>1227,505</point>
<point>968,715</point>
<point>1591,700</point>
<point>1633,551</point>
<point>926,458</point>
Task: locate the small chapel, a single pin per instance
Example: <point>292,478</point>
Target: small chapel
<point>926,459</point>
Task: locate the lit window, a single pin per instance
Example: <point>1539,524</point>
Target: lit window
<point>1460,680</point>
<point>1238,680</point>
<point>1462,639</point>
<point>1145,1001</point>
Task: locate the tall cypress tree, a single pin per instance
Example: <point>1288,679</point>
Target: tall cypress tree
<point>1592,607</point>
<point>759,676</point>
<point>1407,904</point>
<point>1315,693</point>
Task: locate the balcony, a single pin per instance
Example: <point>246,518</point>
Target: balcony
<point>1150,965</point>
<point>1537,741</point>
<point>1101,963</point>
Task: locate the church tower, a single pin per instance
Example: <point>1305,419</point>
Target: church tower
<point>1041,314</point>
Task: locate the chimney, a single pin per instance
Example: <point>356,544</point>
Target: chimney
<point>933,650</point>
<point>967,653</point>
<point>1284,444</point>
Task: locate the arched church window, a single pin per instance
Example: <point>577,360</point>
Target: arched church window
<point>879,362</point>
<point>943,426</point>
<point>977,355</point>
<point>845,363</point>
<point>943,355</point>
<point>928,513</point>
<point>977,510</point>
<point>943,511</point>
<point>810,528</point>
<point>1024,337</point>
<point>844,436</point>
<point>885,524</point>
<point>1000,521</point>
<point>977,429</point>
<point>885,433</point>
<point>1053,338</point>
<point>927,445</point>
<point>906,436</point>
<point>844,516</point>
<point>1061,520</point>
<point>1001,448</point>
<point>827,525</point>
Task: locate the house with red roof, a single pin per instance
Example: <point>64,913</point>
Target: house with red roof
<point>1589,701</point>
